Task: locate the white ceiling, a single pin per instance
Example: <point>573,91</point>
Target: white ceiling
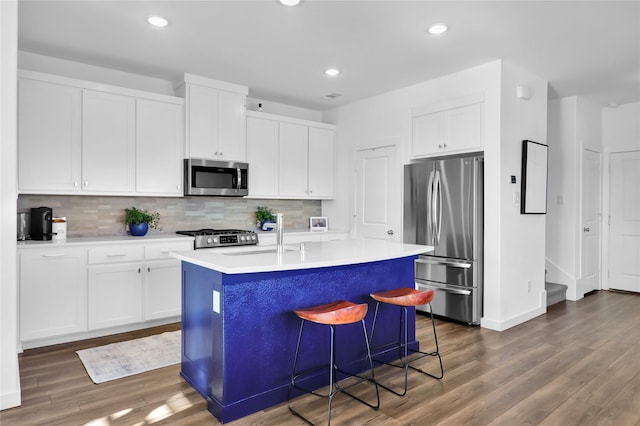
<point>586,48</point>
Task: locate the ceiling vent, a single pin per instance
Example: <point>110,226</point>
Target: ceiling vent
<point>332,95</point>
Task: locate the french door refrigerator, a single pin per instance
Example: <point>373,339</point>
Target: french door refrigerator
<point>443,207</point>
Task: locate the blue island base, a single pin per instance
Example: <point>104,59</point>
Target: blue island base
<point>239,331</point>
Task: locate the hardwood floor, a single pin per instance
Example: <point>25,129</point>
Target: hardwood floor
<point>579,364</point>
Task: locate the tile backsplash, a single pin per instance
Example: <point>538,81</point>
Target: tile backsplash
<point>91,216</point>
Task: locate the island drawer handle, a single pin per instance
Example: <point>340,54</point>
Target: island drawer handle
<point>116,255</point>
<point>54,255</point>
<point>464,265</point>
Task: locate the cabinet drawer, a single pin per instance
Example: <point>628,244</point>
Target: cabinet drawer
<point>161,251</point>
<point>120,253</point>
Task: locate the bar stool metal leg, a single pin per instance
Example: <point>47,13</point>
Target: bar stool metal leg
<point>334,386</point>
<point>404,351</point>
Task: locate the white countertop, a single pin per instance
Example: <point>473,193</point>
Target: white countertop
<point>241,260</point>
<point>119,239</point>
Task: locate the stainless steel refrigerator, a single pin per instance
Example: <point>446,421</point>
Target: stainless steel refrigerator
<point>443,207</point>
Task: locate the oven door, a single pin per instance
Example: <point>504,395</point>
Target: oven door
<point>209,177</point>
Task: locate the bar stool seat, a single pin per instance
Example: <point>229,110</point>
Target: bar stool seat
<point>404,298</point>
<point>332,314</point>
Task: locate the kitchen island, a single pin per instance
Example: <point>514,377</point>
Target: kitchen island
<point>238,327</point>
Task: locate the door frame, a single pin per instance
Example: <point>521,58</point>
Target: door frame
<point>397,143</point>
<point>579,230</point>
<point>606,214</point>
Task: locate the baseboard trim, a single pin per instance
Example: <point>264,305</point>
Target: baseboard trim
<point>10,400</point>
<point>518,319</point>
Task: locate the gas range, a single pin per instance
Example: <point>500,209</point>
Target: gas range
<point>211,238</point>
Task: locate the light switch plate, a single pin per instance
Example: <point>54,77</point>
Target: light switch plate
<point>216,301</point>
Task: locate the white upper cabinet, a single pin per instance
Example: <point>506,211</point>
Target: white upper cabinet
<point>321,162</point>
<point>262,156</point>
<point>215,119</point>
<point>450,126</point>
<point>159,142</point>
<point>294,148</point>
<point>50,138</point>
<point>108,142</point>
<point>290,158</point>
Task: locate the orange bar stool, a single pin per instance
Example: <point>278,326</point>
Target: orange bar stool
<point>404,298</point>
<point>332,314</point>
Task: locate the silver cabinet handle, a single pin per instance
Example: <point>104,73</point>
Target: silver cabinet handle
<point>390,232</point>
<point>586,229</point>
<point>455,264</point>
<point>53,255</point>
<point>116,255</point>
<point>447,289</point>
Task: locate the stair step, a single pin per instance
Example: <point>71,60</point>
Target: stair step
<point>556,293</point>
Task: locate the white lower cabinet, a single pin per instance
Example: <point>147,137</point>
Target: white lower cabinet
<point>52,292</point>
<point>162,289</point>
<point>73,293</point>
<point>115,295</point>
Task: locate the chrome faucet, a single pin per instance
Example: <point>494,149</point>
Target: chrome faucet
<point>279,232</point>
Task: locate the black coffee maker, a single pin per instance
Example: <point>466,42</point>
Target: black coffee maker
<point>41,223</point>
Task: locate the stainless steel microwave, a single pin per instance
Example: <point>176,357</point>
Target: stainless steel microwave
<point>213,177</point>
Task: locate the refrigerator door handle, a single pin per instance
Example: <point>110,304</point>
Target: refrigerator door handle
<point>431,230</point>
<point>437,209</point>
<point>454,264</point>
<point>447,289</point>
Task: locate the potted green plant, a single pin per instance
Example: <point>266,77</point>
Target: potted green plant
<point>264,215</point>
<point>140,221</point>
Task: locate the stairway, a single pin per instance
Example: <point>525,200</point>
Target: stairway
<point>556,293</point>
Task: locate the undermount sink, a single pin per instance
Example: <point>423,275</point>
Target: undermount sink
<point>261,250</point>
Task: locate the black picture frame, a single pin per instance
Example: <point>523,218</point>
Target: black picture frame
<point>533,182</point>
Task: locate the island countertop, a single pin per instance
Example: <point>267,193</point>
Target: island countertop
<point>242,260</point>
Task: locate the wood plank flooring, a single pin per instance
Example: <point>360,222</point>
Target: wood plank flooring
<point>579,364</point>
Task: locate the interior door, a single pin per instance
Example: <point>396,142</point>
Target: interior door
<point>377,192</point>
<point>591,202</point>
<point>624,262</point>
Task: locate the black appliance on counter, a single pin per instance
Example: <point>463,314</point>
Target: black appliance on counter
<point>41,223</point>
<point>211,238</point>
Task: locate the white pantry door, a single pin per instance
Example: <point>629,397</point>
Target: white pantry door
<point>591,201</point>
<point>377,194</point>
<point>624,262</point>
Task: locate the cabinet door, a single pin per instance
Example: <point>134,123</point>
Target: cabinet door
<point>321,163</point>
<point>49,137</point>
<point>159,143</point>
<point>464,128</point>
<point>292,164</point>
<point>428,134</point>
<point>262,156</point>
<point>202,122</point>
<point>108,142</point>
<point>52,292</point>
<point>115,295</point>
<point>232,122</point>
<point>162,289</point>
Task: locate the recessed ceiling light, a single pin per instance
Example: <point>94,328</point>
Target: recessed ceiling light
<point>437,29</point>
<point>290,2</point>
<point>331,72</point>
<point>157,21</point>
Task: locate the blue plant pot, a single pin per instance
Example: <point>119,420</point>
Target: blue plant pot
<point>138,229</point>
<point>266,221</point>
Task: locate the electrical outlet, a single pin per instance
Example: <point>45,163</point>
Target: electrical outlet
<point>528,286</point>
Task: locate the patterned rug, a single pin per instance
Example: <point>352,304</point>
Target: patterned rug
<point>123,359</point>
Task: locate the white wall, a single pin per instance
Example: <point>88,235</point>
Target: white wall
<point>574,124</point>
<point>620,132</point>
<point>514,244</point>
<point>521,237</point>
<point>9,372</point>
<point>562,195</point>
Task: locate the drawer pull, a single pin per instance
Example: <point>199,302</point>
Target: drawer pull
<point>54,255</point>
<point>116,255</point>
